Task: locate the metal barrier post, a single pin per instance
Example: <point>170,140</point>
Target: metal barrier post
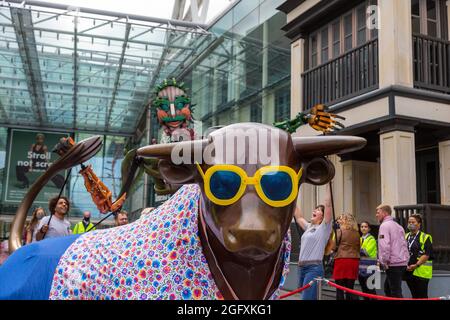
<point>319,288</point>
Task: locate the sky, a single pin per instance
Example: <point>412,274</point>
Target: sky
<point>150,8</point>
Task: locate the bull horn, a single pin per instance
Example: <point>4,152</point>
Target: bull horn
<point>164,150</point>
<point>310,147</point>
<point>79,153</point>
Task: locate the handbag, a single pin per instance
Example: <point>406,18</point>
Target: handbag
<point>328,259</point>
<point>328,265</point>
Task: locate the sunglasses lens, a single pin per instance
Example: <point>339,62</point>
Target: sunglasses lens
<point>276,185</point>
<point>224,184</point>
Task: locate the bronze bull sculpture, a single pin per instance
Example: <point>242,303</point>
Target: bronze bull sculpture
<point>224,234</point>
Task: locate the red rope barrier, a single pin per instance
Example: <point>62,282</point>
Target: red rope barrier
<point>355,292</point>
<point>367,295</point>
<point>308,285</point>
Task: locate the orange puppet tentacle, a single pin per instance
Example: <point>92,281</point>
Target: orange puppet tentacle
<point>101,195</point>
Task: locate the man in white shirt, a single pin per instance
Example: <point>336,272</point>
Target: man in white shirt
<point>59,225</point>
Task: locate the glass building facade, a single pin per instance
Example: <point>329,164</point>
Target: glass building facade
<point>244,73</point>
<point>237,71</point>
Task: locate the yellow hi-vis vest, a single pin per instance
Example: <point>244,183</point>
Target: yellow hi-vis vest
<point>79,228</point>
<point>426,269</point>
<point>369,245</point>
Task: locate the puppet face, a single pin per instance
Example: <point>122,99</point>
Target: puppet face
<point>173,109</point>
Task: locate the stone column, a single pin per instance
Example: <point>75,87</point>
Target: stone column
<point>348,186</point>
<point>398,167</point>
<point>395,43</point>
<point>297,68</point>
<point>444,165</point>
<point>355,188</point>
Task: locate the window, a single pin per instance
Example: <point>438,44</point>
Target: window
<point>348,32</point>
<point>336,29</point>
<point>324,45</point>
<point>415,15</point>
<point>341,35</point>
<point>283,104</point>
<point>426,17</point>
<point>314,51</point>
<point>255,112</point>
<point>223,88</point>
<point>361,26</point>
<point>432,23</point>
<point>374,31</point>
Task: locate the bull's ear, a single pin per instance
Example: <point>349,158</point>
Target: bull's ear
<point>318,171</point>
<point>177,174</point>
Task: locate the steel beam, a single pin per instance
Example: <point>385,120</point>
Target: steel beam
<point>156,44</point>
<point>177,23</point>
<point>19,125</point>
<point>88,51</point>
<point>80,85</point>
<point>154,77</point>
<point>75,69</point>
<point>3,113</point>
<point>29,56</point>
<point>119,71</point>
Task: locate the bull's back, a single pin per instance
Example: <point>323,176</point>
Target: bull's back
<point>28,273</point>
<point>159,256</point>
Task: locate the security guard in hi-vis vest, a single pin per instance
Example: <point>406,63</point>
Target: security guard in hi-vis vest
<point>85,225</point>
<point>368,258</point>
<point>420,266</point>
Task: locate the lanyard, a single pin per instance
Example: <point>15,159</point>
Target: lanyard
<point>410,243</point>
<point>363,238</point>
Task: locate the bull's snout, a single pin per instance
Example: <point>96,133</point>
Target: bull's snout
<point>256,233</point>
<point>252,241</point>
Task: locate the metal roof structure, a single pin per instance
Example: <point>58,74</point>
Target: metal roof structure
<point>84,69</point>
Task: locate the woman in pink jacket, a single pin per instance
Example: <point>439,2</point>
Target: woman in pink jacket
<point>393,254</point>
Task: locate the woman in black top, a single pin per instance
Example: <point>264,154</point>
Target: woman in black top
<point>419,270</point>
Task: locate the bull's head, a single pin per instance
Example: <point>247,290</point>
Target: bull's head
<point>243,221</point>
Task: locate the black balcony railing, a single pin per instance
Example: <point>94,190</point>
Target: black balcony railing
<point>431,59</point>
<point>436,221</point>
<point>346,76</point>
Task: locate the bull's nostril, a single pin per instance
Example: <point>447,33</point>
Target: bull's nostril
<point>232,238</point>
<point>272,238</point>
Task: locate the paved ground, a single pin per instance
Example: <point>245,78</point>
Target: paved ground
<point>327,294</point>
<point>294,297</point>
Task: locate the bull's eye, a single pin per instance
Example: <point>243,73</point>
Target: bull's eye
<point>276,185</point>
<point>225,184</point>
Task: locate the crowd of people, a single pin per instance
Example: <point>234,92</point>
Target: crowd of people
<point>43,226</point>
<point>57,224</point>
<point>357,254</point>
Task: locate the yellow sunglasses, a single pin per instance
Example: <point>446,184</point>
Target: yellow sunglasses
<point>275,185</point>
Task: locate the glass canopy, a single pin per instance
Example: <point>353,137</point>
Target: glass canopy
<point>93,71</point>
